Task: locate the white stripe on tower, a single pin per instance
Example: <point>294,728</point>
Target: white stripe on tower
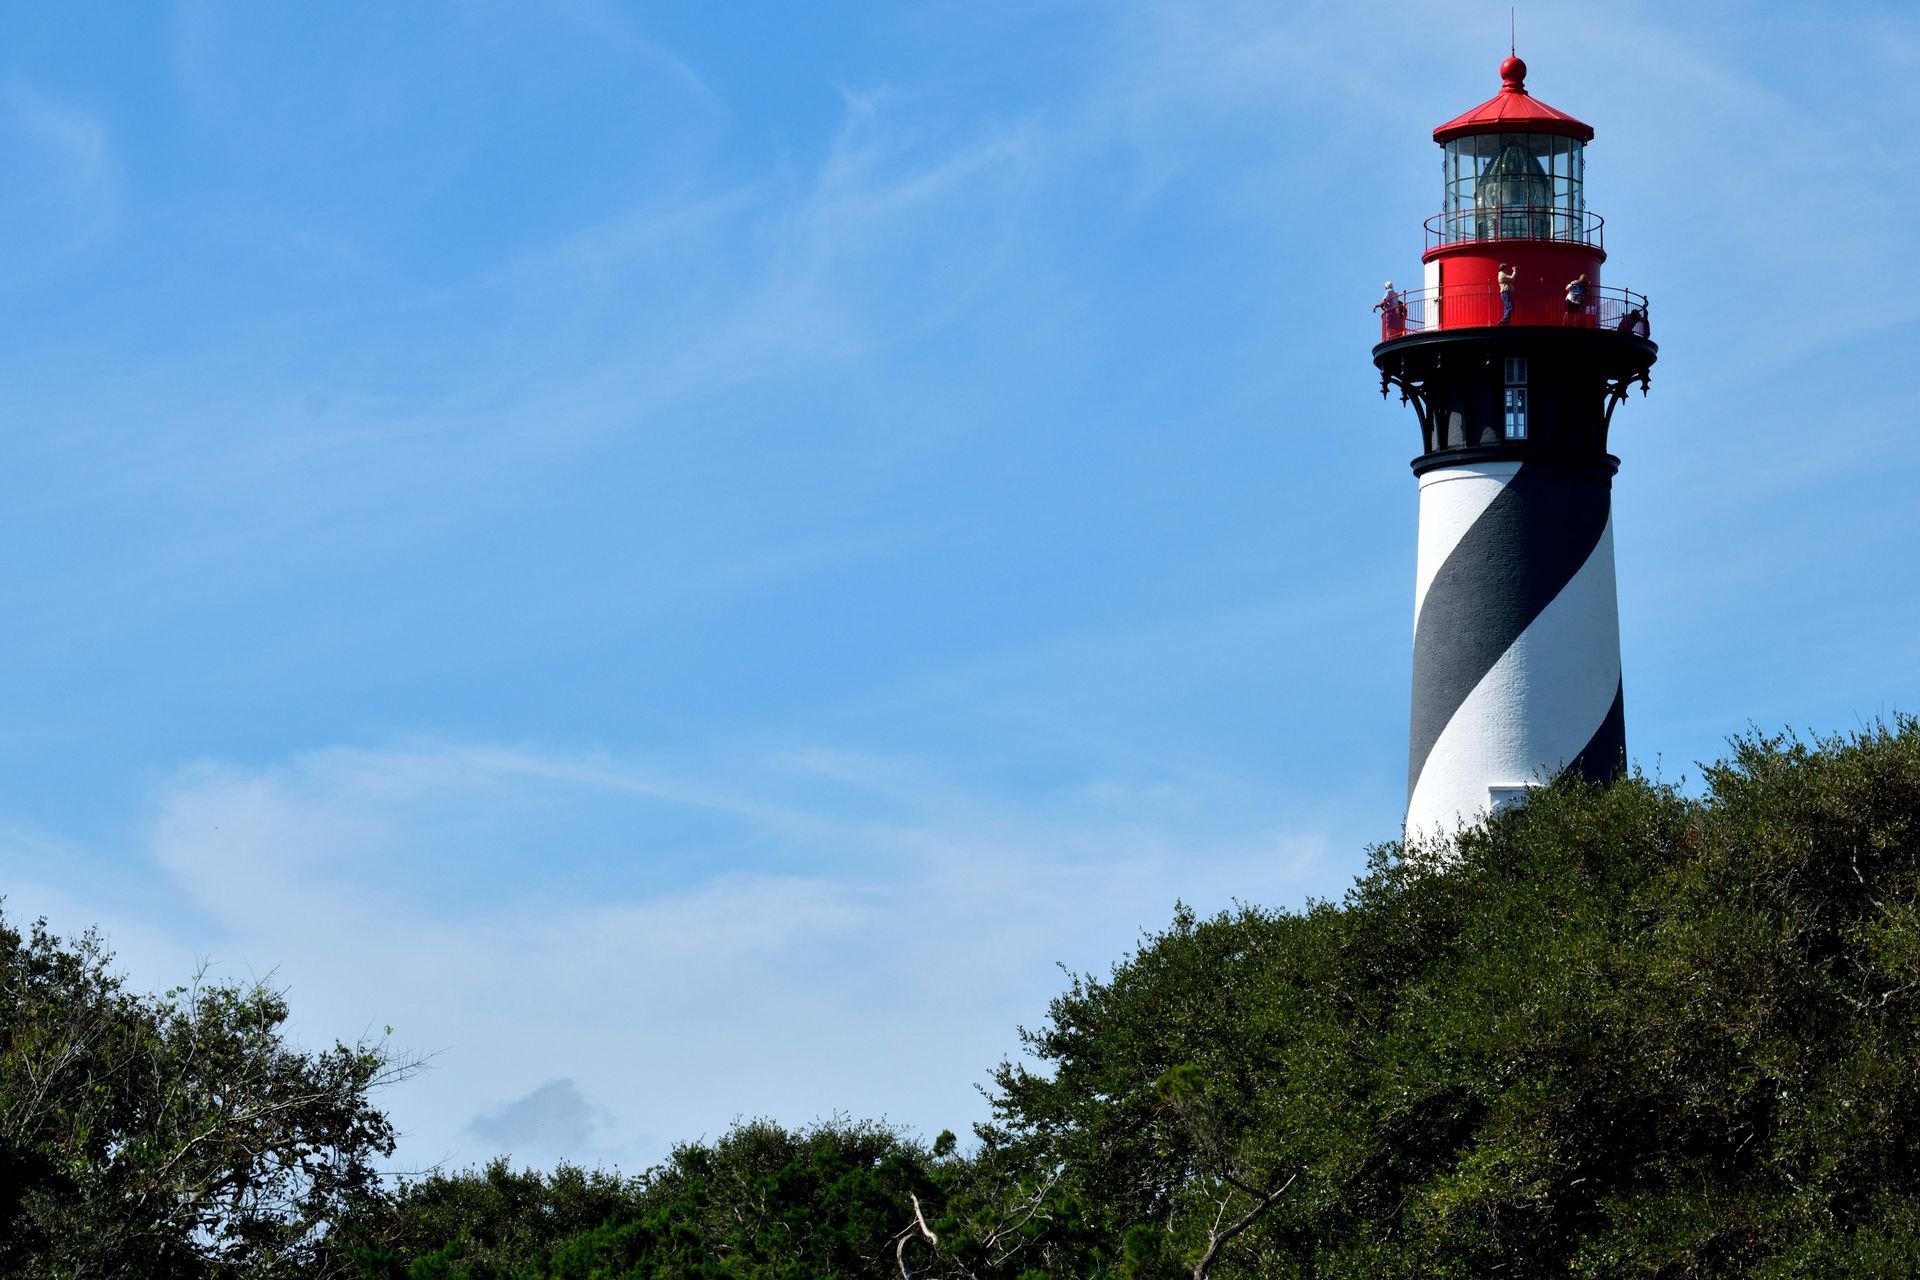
<point>1516,637</point>
<point>1446,516</point>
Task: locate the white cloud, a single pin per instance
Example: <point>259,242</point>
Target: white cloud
<point>878,963</point>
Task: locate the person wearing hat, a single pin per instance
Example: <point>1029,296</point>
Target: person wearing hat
<point>1393,312</point>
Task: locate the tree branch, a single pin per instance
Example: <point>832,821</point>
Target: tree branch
<point>1033,1207</point>
<point>925,1232</point>
<point>1203,1268</point>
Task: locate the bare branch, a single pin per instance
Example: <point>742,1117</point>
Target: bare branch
<point>1203,1268</point>
<point>926,1233</point>
<point>921,1219</point>
<point>1033,1208</point>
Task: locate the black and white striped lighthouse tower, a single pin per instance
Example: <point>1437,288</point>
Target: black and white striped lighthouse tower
<point>1514,355</point>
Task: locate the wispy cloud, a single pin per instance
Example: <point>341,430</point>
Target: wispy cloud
<point>63,193</point>
<point>78,138</point>
<point>898,929</point>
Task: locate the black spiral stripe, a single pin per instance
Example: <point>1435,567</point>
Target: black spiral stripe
<point>1604,758</point>
<point>1511,563</point>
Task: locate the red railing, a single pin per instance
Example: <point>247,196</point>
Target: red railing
<point>1479,306</point>
<point>1517,222</point>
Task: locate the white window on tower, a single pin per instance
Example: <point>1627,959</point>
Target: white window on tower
<point>1516,413</point>
<point>1501,799</point>
<point>1516,403</point>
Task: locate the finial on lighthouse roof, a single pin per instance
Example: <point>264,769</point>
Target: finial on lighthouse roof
<point>1513,110</point>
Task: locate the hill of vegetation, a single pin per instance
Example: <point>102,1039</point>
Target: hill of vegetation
<point>1621,1031</point>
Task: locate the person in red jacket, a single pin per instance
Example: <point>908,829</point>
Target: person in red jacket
<point>1393,313</point>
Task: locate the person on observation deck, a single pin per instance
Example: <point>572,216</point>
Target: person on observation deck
<point>1506,278</point>
<point>1577,294</point>
<point>1393,312</point>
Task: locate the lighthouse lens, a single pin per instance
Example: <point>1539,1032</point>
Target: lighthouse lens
<point>1507,186</point>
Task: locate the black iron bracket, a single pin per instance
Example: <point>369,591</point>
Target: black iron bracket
<point>1411,392</point>
<point>1617,391</point>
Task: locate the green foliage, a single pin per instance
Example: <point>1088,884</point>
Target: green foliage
<point>172,1136</point>
<point>488,1222</point>
<point>762,1203</point>
<point>1618,1033</point>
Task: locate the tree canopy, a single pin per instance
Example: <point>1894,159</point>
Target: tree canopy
<point>177,1135</point>
<point>1617,1032</point>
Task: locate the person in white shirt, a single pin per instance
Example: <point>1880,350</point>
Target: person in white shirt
<point>1393,312</point>
<point>1577,294</point>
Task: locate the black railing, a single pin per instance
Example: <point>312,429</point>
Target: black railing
<point>1516,222</point>
<point>1479,306</point>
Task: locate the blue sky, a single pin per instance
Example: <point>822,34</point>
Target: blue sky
<point>683,556</point>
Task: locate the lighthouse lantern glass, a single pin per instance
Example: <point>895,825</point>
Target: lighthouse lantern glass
<point>1504,186</point>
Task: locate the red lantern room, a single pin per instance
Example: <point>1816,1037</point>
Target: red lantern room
<point>1513,282</point>
<point>1513,194</point>
<point>1513,169</point>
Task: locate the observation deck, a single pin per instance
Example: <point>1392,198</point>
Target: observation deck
<point>1476,305</point>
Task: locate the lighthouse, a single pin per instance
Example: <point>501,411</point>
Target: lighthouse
<point>1514,355</point>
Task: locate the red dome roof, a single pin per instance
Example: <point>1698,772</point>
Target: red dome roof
<point>1513,110</point>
